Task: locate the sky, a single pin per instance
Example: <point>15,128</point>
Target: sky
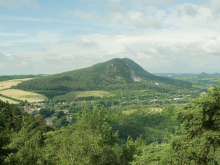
<point>162,36</point>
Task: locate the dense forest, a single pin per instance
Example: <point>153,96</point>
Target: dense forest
<point>93,138</point>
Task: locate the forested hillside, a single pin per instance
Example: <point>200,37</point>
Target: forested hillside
<point>111,75</point>
<point>111,72</point>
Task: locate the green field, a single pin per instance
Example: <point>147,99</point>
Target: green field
<point>75,95</point>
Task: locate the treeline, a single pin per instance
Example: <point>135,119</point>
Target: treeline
<point>11,77</point>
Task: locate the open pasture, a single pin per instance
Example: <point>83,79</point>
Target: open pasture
<point>74,95</point>
<point>23,95</point>
<point>9,100</point>
<point>10,83</point>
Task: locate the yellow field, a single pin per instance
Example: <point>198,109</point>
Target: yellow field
<point>10,83</point>
<point>128,112</point>
<point>93,93</point>
<point>144,111</point>
<point>74,95</point>
<point>23,95</point>
<point>9,100</point>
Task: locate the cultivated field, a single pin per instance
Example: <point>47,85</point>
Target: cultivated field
<point>9,100</point>
<point>74,95</point>
<point>10,83</point>
<point>23,95</point>
<point>150,110</point>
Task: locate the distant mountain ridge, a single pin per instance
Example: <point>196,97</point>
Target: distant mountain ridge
<point>112,73</point>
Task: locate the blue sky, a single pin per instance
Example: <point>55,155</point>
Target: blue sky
<point>163,36</point>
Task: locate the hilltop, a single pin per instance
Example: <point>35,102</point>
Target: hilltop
<point>110,75</point>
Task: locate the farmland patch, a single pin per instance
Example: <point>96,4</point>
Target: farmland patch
<point>9,100</point>
<point>10,83</point>
<point>75,95</point>
<point>23,95</point>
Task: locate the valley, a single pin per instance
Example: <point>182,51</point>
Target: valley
<point>135,103</point>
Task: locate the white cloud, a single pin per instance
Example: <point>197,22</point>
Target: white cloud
<point>2,55</point>
<point>117,9</point>
<point>214,5</point>
<point>86,41</point>
<point>156,51</point>
<point>16,4</point>
<point>190,10</point>
<point>180,38</point>
<point>190,16</point>
<point>160,14</point>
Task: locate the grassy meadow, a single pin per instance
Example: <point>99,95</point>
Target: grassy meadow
<point>75,95</point>
<point>23,95</point>
<point>10,83</point>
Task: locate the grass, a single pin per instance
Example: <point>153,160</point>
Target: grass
<point>10,83</point>
<point>9,100</point>
<point>23,95</point>
<point>74,95</point>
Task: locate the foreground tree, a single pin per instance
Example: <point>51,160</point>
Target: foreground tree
<point>88,141</point>
<point>10,121</point>
<point>28,141</point>
<point>200,140</point>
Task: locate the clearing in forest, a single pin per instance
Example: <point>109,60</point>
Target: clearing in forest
<point>10,83</point>
<point>24,95</point>
<point>9,100</point>
<point>128,112</point>
<point>74,95</point>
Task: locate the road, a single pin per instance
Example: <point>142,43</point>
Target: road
<point>49,122</point>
